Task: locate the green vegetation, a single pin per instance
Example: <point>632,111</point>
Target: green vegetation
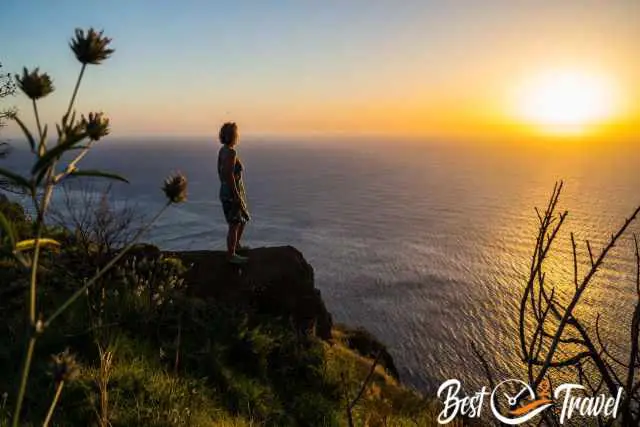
<point>75,138</point>
<point>144,353</point>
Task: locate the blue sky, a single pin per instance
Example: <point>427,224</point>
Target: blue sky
<point>183,67</point>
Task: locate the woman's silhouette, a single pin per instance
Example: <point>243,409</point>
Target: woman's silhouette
<point>232,194</point>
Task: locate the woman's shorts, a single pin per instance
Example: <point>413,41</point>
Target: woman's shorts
<point>233,212</point>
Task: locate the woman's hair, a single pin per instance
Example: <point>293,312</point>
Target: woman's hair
<point>228,133</point>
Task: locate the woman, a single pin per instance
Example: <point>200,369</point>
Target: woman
<point>232,194</point>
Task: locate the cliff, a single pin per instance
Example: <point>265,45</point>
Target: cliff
<point>279,282</point>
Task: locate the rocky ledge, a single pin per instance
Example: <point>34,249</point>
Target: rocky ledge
<point>277,281</point>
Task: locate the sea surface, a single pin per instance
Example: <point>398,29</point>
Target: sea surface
<point>426,244</point>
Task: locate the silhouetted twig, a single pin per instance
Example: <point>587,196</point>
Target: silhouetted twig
<point>551,336</point>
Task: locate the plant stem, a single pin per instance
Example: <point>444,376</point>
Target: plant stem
<point>34,275</point>
<point>53,404</point>
<point>32,303</point>
<point>73,96</point>
<point>104,269</point>
<point>35,111</point>
<point>23,381</point>
<point>36,251</point>
<point>72,165</point>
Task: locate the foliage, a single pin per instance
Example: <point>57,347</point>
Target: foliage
<point>7,88</point>
<point>73,136</point>
<point>98,226</point>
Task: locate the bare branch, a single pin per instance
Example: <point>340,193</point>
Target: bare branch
<point>575,262</point>
<point>578,294</point>
<point>366,381</point>
<point>571,361</point>
<point>537,259</point>
<point>485,365</point>
<point>604,347</point>
<point>590,253</point>
<point>635,241</point>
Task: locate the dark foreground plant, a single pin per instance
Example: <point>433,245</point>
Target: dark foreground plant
<point>7,88</point>
<point>558,341</point>
<point>73,137</point>
<point>554,336</point>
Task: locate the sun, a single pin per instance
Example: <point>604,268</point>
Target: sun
<point>567,101</point>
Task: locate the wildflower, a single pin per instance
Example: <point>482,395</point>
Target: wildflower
<point>35,85</point>
<point>96,126</point>
<point>65,367</point>
<point>71,128</point>
<point>175,188</point>
<point>90,48</point>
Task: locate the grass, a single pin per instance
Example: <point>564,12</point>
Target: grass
<point>149,355</point>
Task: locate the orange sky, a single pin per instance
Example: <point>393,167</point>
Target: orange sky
<point>450,69</point>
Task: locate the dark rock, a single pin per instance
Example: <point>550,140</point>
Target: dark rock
<point>364,343</point>
<point>276,281</point>
<point>144,250</point>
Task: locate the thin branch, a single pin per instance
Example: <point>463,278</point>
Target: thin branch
<point>575,262</point>
<point>635,241</point>
<point>485,365</point>
<point>366,380</point>
<point>571,361</point>
<point>568,313</point>
<point>537,258</point>
<point>604,347</point>
<point>54,403</point>
<point>102,271</point>
<point>635,331</point>
<point>590,253</point>
<point>538,213</point>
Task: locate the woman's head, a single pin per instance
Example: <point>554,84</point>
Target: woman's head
<point>229,134</point>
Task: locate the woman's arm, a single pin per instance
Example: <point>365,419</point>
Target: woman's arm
<point>228,173</point>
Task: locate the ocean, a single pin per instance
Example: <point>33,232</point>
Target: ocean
<point>425,244</point>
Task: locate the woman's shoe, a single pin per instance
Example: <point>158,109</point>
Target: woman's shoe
<point>238,259</point>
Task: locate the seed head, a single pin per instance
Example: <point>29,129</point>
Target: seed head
<point>34,84</point>
<point>64,367</point>
<point>175,188</point>
<point>90,48</point>
<point>96,126</point>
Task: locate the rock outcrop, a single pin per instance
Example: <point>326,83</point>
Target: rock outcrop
<point>364,343</point>
<point>276,281</point>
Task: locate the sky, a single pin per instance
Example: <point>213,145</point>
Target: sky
<point>452,68</point>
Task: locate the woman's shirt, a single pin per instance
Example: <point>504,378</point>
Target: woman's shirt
<point>226,191</point>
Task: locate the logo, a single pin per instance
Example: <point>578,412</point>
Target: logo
<point>514,402</point>
<point>516,413</point>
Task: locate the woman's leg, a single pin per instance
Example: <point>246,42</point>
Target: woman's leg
<point>240,231</point>
<point>232,239</point>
